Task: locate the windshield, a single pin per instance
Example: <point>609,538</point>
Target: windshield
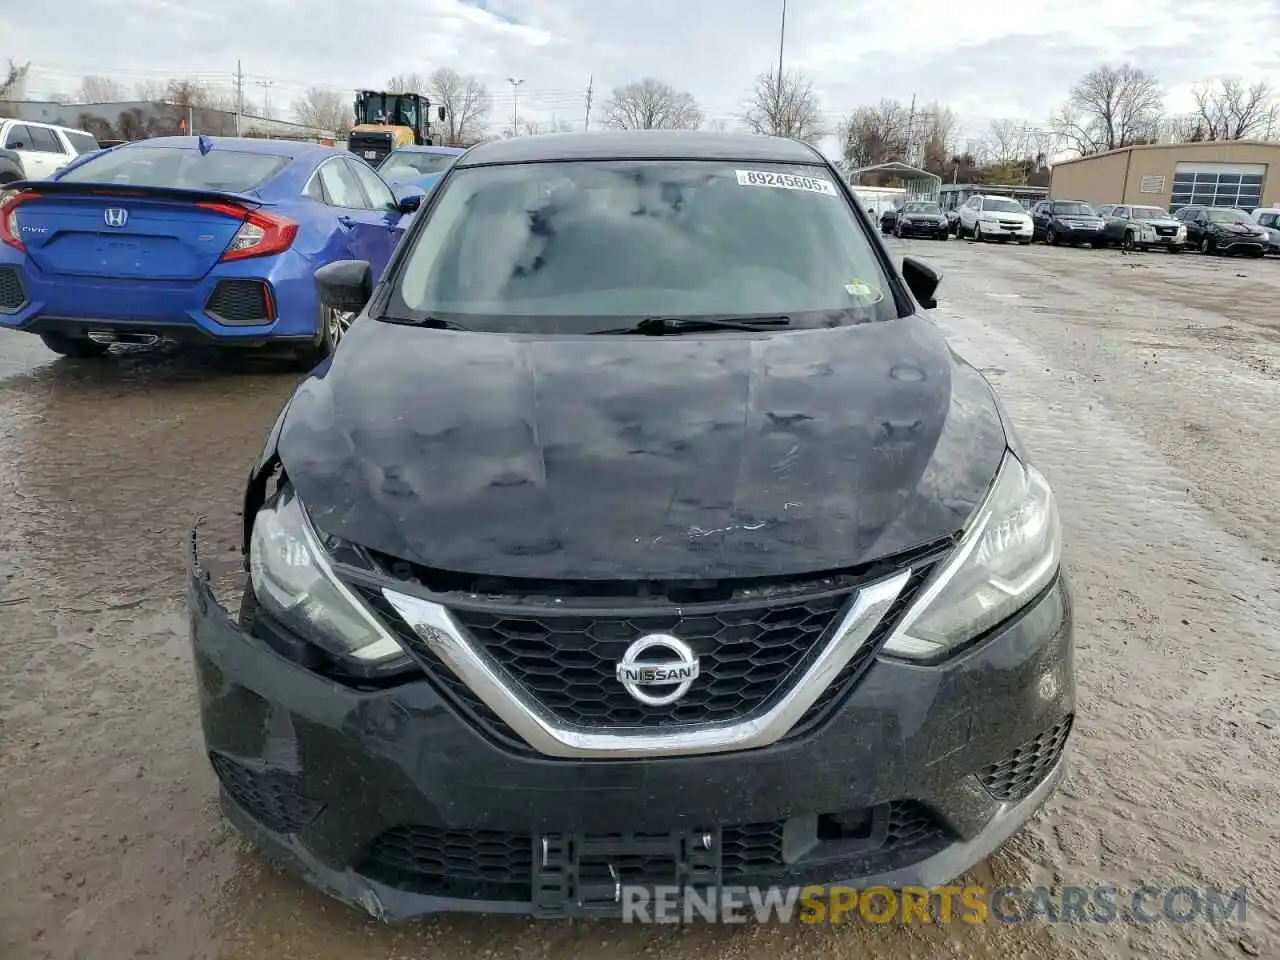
<point>1001,205</point>
<point>220,169</point>
<point>81,142</point>
<point>1073,209</point>
<point>928,209</point>
<point>1150,213</point>
<point>607,240</point>
<point>1228,216</point>
<point>400,165</point>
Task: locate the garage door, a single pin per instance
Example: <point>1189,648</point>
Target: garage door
<point>1218,185</point>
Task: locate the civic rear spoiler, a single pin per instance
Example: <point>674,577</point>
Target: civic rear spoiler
<point>123,190</point>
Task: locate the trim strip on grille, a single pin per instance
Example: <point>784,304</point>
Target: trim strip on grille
<point>551,737</point>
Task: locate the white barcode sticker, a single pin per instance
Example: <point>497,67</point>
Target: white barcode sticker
<point>785,181</point>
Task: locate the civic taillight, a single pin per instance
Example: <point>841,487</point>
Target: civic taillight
<point>9,220</point>
<point>260,234</point>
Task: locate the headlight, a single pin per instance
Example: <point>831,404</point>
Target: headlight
<point>1009,554</point>
<point>295,584</point>
<point>1182,231</point>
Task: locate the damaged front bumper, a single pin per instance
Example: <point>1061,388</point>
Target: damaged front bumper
<point>390,800</point>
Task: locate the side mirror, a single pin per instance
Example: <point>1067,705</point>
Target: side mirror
<point>409,201</point>
<point>440,113</point>
<point>922,280</point>
<point>345,285</point>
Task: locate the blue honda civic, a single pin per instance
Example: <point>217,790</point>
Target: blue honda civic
<point>195,239</point>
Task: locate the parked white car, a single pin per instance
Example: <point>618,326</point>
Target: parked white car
<point>984,217</point>
<point>1269,219</point>
<point>44,148</point>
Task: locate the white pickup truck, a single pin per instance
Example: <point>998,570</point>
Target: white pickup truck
<point>44,148</point>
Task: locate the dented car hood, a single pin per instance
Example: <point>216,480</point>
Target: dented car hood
<point>631,457</point>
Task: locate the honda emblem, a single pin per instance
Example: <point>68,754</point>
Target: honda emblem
<point>116,216</point>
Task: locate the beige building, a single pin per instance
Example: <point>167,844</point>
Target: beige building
<point>1222,173</point>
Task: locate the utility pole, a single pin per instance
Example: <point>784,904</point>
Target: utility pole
<point>777,97</point>
<point>266,103</point>
<point>515,105</point>
<point>911,131</point>
<point>239,96</point>
<point>586,120</point>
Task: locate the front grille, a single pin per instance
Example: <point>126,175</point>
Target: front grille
<point>240,302</point>
<point>1017,775</point>
<point>499,865</point>
<point>271,797</point>
<point>1010,224</point>
<point>1167,231</point>
<point>568,662</point>
<point>373,147</point>
<point>750,654</point>
<point>13,296</point>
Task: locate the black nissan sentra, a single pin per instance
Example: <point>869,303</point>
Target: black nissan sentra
<point>642,531</point>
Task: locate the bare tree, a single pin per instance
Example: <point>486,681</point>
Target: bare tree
<point>1111,107</point>
<point>533,128</point>
<point>876,134</point>
<point>99,90</point>
<point>466,102</point>
<point>1230,110</point>
<point>152,90</point>
<point>786,107</point>
<point>408,83</point>
<point>1016,141</point>
<point>14,85</point>
<point>650,104</point>
<point>326,109</point>
<point>937,141</point>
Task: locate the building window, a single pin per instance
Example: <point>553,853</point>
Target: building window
<point>1215,187</point>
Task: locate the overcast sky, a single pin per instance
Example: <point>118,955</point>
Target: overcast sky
<point>986,58</point>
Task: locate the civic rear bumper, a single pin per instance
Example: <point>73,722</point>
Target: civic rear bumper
<point>390,800</point>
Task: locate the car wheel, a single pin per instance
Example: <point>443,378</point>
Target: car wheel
<point>977,233</point>
<point>1257,254</point>
<point>1051,237</point>
<point>67,346</point>
<point>1206,246</point>
<point>1130,242</point>
<point>334,325</point>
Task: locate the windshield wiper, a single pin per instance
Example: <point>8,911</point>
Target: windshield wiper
<point>661,326</point>
<point>435,323</point>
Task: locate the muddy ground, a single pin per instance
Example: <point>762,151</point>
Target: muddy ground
<point>1148,388</point>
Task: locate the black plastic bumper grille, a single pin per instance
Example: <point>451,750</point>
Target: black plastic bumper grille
<point>272,798</point>
<point>749,656</point>
<point>242,302</point>
<point>13,296</point>
<point>500,865</point>
<point>1017,775</point>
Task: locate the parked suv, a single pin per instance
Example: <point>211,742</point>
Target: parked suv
<point>1066,221</point>
<point>1141,228</point>
<point>612,551</point>
<point>1269,220</point>
<point>1223,230</point>
<point>44,148</point>
<point>994,218</point>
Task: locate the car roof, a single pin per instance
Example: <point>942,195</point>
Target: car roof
<point>641,145</point>
<point>295,149</point>
<point>438,151</point>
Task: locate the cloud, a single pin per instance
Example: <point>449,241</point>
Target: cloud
<point>976,57</point>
